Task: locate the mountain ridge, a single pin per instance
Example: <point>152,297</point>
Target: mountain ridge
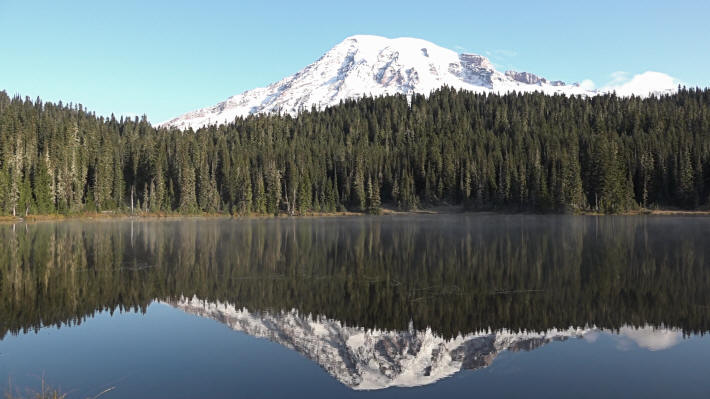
<point>368,65</point>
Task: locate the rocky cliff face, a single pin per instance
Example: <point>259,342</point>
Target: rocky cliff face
<point>529,78</point>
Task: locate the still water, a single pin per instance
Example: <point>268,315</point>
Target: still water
<point>391,306</point>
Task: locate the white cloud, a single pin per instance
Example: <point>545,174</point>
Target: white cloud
<point>641,84</point>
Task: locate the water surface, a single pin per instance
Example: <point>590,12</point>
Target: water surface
<point>455,305</point>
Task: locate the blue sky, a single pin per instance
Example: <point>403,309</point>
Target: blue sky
<point>164,58</point>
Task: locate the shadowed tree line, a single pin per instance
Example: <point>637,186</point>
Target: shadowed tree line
<point>513,152</point>
<point>452,273</point>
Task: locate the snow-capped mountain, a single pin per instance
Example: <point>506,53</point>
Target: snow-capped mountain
<point>365,65</point>
<point>372,359</point>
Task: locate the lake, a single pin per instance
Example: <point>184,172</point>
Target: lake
<point>389,306</point>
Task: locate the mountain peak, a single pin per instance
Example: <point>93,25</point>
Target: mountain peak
<point>369,65</point>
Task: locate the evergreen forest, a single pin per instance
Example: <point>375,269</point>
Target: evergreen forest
<point>515,152</point>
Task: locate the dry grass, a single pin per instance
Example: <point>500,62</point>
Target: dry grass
<point>46,392</point>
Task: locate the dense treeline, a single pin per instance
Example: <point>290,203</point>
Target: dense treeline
<point>518,151</point>
<point>451,273</point>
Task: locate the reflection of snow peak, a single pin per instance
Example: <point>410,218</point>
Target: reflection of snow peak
<point>366,65</point>
<point>373,359</point>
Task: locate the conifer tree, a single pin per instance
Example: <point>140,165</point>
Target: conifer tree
<point>188,199</point>
<point>373,196</point>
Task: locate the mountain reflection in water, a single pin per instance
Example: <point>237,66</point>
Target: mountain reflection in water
<point>366,359</point>
<point>376,301</point>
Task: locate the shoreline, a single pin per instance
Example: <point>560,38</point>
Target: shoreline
<point>437,210</point>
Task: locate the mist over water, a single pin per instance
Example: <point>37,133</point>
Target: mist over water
<point>424,296</point>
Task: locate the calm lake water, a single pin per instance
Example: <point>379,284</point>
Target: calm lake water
<point>391,306</point>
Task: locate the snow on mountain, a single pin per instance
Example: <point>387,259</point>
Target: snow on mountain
<point>373,359</point>
<point>365,65</point>
<point>368,65</point>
